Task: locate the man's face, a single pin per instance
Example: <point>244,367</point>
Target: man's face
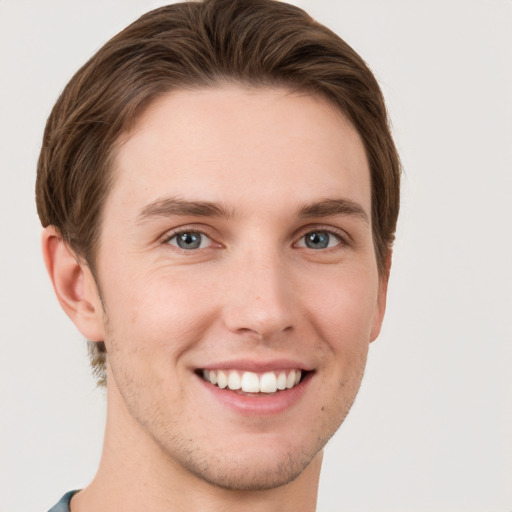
<point>237,245</point>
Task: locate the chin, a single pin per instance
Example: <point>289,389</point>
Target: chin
<point>251,474</point>
<point>262,463</point>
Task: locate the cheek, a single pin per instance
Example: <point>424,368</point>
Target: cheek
<point>157,313</point>
<point>344,312</point>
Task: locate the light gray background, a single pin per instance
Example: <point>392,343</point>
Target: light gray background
<point>432,427</point>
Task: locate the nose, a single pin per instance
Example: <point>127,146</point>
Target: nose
<point>259,298</point>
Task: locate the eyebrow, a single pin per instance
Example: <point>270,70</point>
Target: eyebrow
<point>169,206</point>
<point>332,207</point>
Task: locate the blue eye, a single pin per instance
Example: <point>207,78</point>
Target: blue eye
<point>190,240</point>
<point>319,240</point>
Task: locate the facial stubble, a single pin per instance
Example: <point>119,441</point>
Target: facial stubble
<point>224,468</point>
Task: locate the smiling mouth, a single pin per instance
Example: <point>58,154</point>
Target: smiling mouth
<point>251,382</point>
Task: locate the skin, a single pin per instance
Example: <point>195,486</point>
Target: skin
<point>253,291</point>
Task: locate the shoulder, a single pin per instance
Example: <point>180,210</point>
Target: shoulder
<point>63,504</point>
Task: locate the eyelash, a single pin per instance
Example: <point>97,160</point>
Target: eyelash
<point>341,236</point>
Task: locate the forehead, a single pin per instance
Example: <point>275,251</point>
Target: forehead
<point>235,143</point>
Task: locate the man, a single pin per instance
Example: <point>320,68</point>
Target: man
<point>219,193</point>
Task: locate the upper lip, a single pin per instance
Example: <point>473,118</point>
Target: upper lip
<point>252,365</point>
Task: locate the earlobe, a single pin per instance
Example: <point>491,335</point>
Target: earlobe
<point>74,285</point>
<point>380,308</point>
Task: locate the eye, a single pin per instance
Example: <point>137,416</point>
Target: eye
<point>319,240</point>
<point>190,240</point>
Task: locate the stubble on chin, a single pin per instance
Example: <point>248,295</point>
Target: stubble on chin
<point>241,472</point>
<point>229,468</point>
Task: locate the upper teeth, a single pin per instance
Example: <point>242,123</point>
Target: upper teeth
<point>251,382</point>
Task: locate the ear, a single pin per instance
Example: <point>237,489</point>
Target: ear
<point>380,307</point>
<point>74,285</point>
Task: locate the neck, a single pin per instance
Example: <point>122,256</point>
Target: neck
<point>136,474</point>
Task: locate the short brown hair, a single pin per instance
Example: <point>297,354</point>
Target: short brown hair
<point>201,44</point>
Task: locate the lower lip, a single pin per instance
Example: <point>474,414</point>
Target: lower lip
<point>262,404</point>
